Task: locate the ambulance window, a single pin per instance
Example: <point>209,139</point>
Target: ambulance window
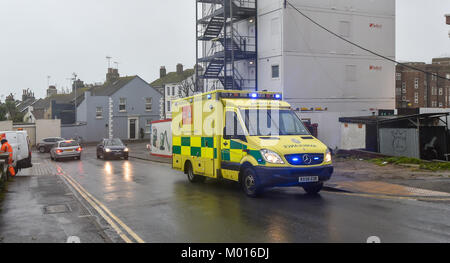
<point>233,127</point>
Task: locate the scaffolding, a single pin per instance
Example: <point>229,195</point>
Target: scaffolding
<point>223,44</point>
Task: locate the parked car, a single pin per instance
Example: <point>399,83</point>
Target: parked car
<point>66,149</point>
<point>112,148</point>
<point>45,145</point>
<point>20,142</point>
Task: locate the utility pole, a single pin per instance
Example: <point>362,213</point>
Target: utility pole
<point>75,92</point>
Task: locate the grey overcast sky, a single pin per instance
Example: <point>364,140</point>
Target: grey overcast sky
<point>40,38</point>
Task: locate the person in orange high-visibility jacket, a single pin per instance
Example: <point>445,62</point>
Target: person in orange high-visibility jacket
<point>6,147</point>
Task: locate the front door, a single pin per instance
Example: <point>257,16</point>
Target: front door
<point>132,129</point>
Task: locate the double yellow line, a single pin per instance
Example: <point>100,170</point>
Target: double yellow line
<point>128,235</point>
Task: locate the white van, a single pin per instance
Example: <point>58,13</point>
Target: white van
<point>20,142</point>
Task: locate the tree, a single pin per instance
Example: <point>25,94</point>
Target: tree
<point>3,112</point>
<point>186,88</point>
<point>9,107</point>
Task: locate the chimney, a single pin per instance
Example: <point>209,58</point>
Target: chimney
<point>162,72</point>
<point>179,68</point>
<point>448,19</point>
<point>112,75</point>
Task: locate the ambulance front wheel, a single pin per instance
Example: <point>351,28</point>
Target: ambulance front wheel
<point>250,183</point>
<point>313,189</point>
<point>192,177</point>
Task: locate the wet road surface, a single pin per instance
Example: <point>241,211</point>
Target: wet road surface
<point>160,205</point>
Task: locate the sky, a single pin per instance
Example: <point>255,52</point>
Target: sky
<point>40,38</point>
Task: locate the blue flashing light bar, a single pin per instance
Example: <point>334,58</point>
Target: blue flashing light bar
<point>254,95</point>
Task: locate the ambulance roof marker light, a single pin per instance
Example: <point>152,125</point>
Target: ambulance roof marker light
<point>209,96</point>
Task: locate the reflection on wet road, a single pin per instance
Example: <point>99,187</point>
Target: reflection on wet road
<point>160,205</point>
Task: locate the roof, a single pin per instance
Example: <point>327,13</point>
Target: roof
<point>173,77</point>
<point>109,88</point>
<point>388,119</point>
<point>25,104</point>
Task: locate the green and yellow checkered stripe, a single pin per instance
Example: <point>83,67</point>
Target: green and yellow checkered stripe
<point>234,153</point>
<point>205,147</point>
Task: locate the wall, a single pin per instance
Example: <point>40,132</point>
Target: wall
<point>161,138</point>
<point>353,136</point>
<point>329,126</point>
<point>6,125</point>
<point>73,131</point>
<point>400,142</point>
<point>47,128</point>
<point>96,128</point>
<point>320,70</point>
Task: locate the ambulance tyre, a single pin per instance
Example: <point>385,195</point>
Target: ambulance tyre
<point>313,189</point>
<point>193,178</point>
<point>250,183</point>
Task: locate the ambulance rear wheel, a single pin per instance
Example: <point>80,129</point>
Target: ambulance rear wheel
<point>192,177</point>
<point>250,183</point>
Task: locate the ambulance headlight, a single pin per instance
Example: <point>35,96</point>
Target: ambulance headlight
<point>271,157</point>
<point>107,150</point>
<point>328,157</point>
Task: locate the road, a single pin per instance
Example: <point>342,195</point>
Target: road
<point>158,204</point>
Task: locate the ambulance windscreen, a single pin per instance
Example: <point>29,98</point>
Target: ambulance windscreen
<point>267,122</point>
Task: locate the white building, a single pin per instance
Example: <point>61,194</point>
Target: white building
<point>316,69</point>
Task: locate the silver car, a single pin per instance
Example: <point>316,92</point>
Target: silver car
<point>66,149</point>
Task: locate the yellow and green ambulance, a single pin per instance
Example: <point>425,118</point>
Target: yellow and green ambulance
<point>253,138</point>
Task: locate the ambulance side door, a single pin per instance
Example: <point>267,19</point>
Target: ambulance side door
<point>231,146</point>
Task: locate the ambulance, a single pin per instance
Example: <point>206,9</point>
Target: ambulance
<point>253,138</point>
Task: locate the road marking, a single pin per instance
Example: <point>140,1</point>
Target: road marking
<point>101,209</point>
<point>382,188</point>
<point>390,197</point>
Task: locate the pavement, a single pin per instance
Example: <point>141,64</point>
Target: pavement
<point>140,151</point>
<point>146,201</point>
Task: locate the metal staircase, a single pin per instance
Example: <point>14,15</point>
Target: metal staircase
<point>222,44</point>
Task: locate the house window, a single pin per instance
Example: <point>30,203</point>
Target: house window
<point>416,97</point>
<point>404,87</point>
<point>148,126</point>
<point>399,76</point>
<point>434,104</point>
<point>404,98</point>
<point>99,113</point>
<point>416,83</point>
<point>173,91</point>
<point>168,91</point>
<point>350,72</point>
<point>441,92</point>
<point>148,104</point>
<point>433,91</point>
<point>275,71</point>
<point>434,77</point>
<point>168,106</point>
<point>122,104</point>
<point>344,28</point>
